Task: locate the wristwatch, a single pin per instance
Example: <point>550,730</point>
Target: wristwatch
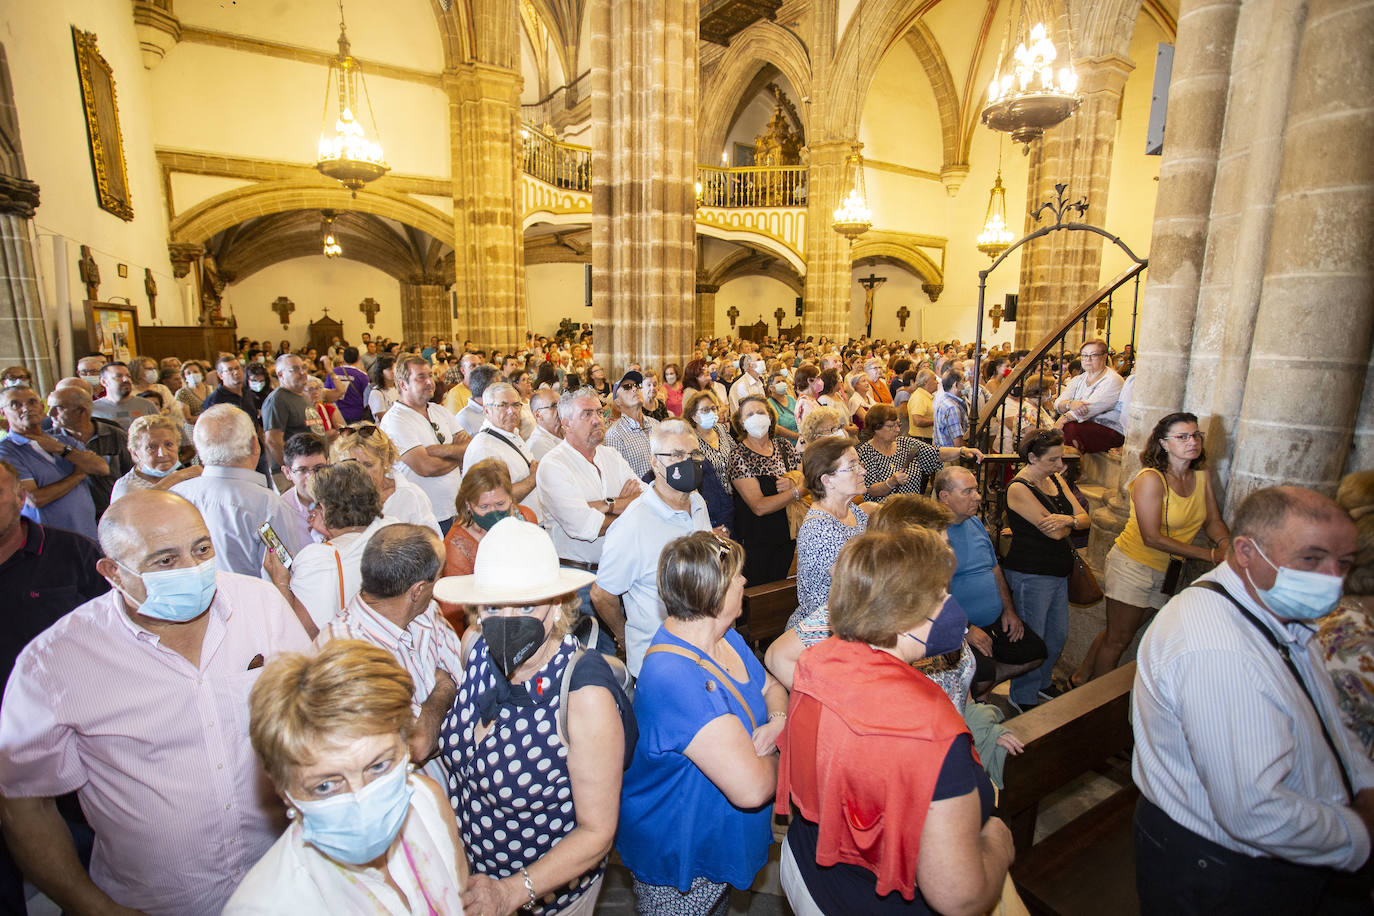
<point>66,450</point>
<point>610,503</point>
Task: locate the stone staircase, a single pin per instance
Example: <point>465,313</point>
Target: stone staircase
<point>1099,481</point>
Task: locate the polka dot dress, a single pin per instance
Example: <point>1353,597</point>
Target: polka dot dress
<point>511,791</point>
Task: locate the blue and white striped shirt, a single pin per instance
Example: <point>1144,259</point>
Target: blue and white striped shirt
<point>1227,744</point>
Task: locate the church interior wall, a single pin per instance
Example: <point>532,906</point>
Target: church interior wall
<point>756,297</point>
<point>313,284</point>
<point>554,292</point>
<point>189,190</point>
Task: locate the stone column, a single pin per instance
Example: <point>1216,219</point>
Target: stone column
<point>23,332</point>
<point>644,109</point>
<point>1061,270</point>
<point>1316,312</point>
<point>424,309</point>
<point>484,108</point>
<point>825,306</point>
<point>706,308</point>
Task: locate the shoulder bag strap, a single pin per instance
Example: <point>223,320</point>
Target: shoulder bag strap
<point>564,688</point>
<point>491,432</point>
<point>703,662</point>
<point>1220,589</point>
<point>338,562</point>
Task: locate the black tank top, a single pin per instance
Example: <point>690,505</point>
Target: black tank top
<point>1032,551</point>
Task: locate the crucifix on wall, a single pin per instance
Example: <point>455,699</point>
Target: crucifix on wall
<point>903,314</point>
<point>370,307</point>
<point>284,307</point>
<point>870,284</point>
<point>732,313</point>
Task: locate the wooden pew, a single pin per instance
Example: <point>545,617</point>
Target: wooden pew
<point>765,612</point>
<point>1086,866</point>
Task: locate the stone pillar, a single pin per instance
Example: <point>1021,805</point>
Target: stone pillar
<point>825,306</point>
<point>1316,312</point>
<point>1060,270</point>
<point>424,309</point>
<point>644,109</point>
<point>484,108</point>
<point>706,308</point>
<point>23,332</point>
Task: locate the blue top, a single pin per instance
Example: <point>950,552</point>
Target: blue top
<point>675,825</point>
<point>974,583</point>
<point>73,512</point>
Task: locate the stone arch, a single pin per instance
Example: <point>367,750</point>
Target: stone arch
<point>1103,27</point>
<point>927,50</point>
<point>750,263</point>
<point>761,44</point>
<point>891,245</point>
<point>873,28</point>
<point>455,32</point>
<point>232,207</point>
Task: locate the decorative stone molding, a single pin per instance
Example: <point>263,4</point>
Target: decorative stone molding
<point>18,196</point>
<point>182,254</point>
<point>158,30</point>
<point>952,177</point>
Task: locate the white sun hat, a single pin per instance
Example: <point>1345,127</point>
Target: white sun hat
<point>516,564</point>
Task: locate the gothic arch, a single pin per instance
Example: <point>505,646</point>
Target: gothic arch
<point>751,263</point>
<point>873,28</point>
<point>761,44</point>
<point>455,32</point>
<point>923,43</point>
<point>232,207</point>
<point>893,245</point>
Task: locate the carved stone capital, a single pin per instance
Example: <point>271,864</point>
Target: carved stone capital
<point>157,28</point>
<point>933,290</point>
<point>952,177</point>
<point>707,289</point>
<point>182,254</point>
<point>18,196</point>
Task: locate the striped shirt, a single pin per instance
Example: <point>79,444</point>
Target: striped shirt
<point>1227,743</point>
<point>156,748</point>
<point>632,441</point>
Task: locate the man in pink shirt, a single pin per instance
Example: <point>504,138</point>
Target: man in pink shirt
<point>138,702</point>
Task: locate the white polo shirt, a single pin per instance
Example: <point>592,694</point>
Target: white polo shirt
<point>408,429</point>
<point>510,450</point>
<point>567,482</point>
<point>629,563</point>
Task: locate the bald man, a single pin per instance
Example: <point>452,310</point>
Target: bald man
<point>53,468</point>
<point>137,701</point>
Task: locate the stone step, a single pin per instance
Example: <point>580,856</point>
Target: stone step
<point>1097,495</point>
<point>1102,469</point>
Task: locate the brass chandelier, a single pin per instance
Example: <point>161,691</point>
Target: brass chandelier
<point>1027,96</point>
<point>347,153</point>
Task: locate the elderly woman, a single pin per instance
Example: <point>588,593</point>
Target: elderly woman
<point>821,423</point>
<point>704,412</point>
<point>894,463</point>
<point>1043,514</point>
<point>835,477</point>
<point>1347,633</point>
<point>759,474</point>
<point>652,394</point>
<point>692,815</point>
<point>862,399</point>
<point>154,442</point>
<point>324,577</point>
<point>146,376</point>
<point>1172,499</point>
<point>889,805</point>
<point>330,420</point>
<point>784,405</point>
<point>536,786</point>
<point>368,834</point>
<point>597,381</point>
<point>374,450</point>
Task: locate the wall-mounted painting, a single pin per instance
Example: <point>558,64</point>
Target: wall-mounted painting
<point>112,329</point>
<point>102,126</point>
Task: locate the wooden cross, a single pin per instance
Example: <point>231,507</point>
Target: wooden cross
<point>370,307</point>
<point>903,314</point>
<point>732,313</point>
<point>283,307</point>
<point>779,313</point>
<point>870,284</point>
<point>325,310</point>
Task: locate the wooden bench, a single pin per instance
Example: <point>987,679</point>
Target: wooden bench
<point>765,612</point>
<point>1087,866</point>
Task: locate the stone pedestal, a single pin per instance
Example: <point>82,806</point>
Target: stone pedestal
<point>644,109</point>
<point>425,309</point>
<point>23,331</point>
<point>484,123</point>
<point>1062,269</point>
<point>828,265</point>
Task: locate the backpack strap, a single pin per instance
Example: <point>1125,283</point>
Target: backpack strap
<point>703,662</point>
<point>564,688</point>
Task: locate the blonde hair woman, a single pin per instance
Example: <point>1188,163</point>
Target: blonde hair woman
<point>373,449</point>
<point>154,444</point>
<point>367,833</point>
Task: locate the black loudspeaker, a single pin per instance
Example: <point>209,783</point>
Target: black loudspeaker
<point>1009,308</point>
<point>587,284</point>
<point>799,304</point>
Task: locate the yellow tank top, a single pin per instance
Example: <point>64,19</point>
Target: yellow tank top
<point>1183,518</point>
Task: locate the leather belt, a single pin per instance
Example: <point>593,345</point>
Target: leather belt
<point>577,564</point>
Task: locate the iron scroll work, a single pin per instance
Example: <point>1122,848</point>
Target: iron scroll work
<point>1059,207</point>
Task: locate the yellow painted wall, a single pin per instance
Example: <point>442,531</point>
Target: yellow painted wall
<point>554,292</point>
<point>312,284</point>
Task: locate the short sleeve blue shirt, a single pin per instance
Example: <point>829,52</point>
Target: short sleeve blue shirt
<point>974,584</point>
<point>675,825</point>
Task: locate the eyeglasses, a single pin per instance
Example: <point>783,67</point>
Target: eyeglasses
<point>1101,354</point>
<point>680,455</point>
<point>848,469</point>
<point>505,405</point>
<point>1188,437</point>
<point>313,469</point>
<point>437,433</point>
<point>629,386</point>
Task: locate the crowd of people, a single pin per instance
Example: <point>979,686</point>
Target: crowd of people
<point>425,629</point>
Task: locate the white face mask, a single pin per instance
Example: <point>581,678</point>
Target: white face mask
<point>194,378</point>
<point>150,376</point>
<point>257,385</point>
<point>92,380</point>
<point>757,425</point>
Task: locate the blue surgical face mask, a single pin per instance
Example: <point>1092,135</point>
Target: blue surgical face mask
<point>257,385</point>
<point>358,827</point>
<point>706,420</point>
<point>177,595</point>
<point>154,472</point>
<point>947,632</point>
<point>1298,594</point>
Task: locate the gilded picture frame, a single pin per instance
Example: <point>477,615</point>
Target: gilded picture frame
<point>102,126</point>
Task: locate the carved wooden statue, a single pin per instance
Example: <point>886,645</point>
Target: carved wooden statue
<point>150,287</point>
<point>90,273</point>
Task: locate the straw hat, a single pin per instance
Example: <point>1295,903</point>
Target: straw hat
<point>516,564</point>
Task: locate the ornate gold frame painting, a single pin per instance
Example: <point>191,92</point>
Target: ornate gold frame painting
<point>102,126</point>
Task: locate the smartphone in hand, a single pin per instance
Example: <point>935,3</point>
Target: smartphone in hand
<point>269,537</point>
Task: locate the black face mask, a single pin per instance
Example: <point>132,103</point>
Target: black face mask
<point>512,640</point>
<point>685,475</point>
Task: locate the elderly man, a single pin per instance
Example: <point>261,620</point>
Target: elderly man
<point>548,431</point>
<point>584,485</point>
<point>670,509</point>
<point>750,383</point>
<point>232,497</point>
<point>53,468</point>
<point>1253,794</point>
<point>428,438</point>
<point>456,398</point>
<point>70,411</point>
<point>472,416</point>
<point>921,408</point>
<point>629,435</point>
<point>1087,406</point>
<point>395,610</point>
<point>88,370</point>
<point>499,437</point>
<point>951,412</point>
<point>1001,644</point>
<point>137,701</point>
<point>284,413</point>
<point>120,404</point>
